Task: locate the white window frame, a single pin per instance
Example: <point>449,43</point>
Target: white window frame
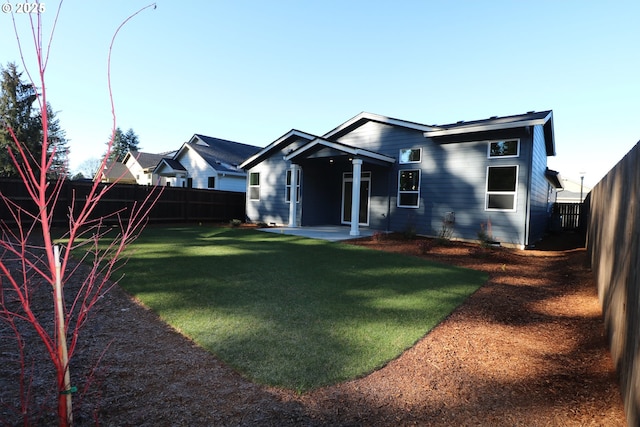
<point>214,181</point>
<point>254,186</point>
<point>400,161</point>
<point>417,192</point>
<point>287,186</point>
<point>506,156</point>
<point>514,192</point>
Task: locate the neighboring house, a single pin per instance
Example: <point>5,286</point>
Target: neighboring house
<point>572,192</point>
<point>395,175</point>
<point>142,166</point>
<point>206,162</point>
<point>116,171</point>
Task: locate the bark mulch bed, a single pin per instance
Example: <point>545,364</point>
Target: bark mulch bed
<point>527,349</point>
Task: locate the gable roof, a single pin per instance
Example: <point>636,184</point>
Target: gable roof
<point>116,171</point>
<point>283,141</point>
<point>220,154</point>
<point>544,118</point>
<point>364,117</point>
<point>532,118</point>
<point>145,160</point>
<point>171,164</point>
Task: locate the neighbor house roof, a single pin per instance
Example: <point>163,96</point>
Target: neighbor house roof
<point>116,171</point>
<point>146,160</point>
<point>172,167</point>
<point>222,155</point>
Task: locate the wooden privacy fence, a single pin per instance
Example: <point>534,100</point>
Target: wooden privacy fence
<point>613,244</point>
<point>571,215</point>
<point>174,205</point>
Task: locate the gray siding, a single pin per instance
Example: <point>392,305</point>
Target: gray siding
<point>272,206</point>
<point>453,179</point>
<point>540,208</point>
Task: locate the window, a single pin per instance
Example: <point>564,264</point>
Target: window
<point>254,186</point>
<point>211,182</point>
<point>410,155</point>
<point>408,188</point>
<point>189,182</point>
<point>507,148</point>
<point>502,182</point>
<point>287,190</point>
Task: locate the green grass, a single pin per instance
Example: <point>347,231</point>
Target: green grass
<point>288,311</point>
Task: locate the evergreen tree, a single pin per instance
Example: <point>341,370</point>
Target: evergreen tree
<point>18,109</point>
<point>122,144</point>
<point>58,146</point>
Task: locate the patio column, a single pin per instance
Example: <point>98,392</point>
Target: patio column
<point>355,197</point>
<point>293,192</point>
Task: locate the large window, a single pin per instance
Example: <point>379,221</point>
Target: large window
<point>409,188</point>
<point>254,186</point>
<point>287,190</point>
<point>211,182</point>
<point>410,155</point>
<point>507,148</point>
<point>502,182</point>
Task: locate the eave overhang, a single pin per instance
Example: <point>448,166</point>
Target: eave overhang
<point>320,143</point>
<point>495,124</point>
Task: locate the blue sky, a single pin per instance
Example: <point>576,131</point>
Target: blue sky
<point>249,71</point>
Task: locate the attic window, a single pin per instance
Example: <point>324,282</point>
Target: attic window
<point>410,155</point>
<point>506,148</point>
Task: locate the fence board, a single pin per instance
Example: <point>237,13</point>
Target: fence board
<point>571,214</point>
<point>174,204</point>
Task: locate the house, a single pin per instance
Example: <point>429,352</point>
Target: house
<point>142,165</point>
<point>572,192</point>
<point>115,172</point>
<point>206,162</point>
<point>388,174</point>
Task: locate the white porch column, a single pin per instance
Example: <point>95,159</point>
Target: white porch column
<point>355,197</point>
<point>293,205</point>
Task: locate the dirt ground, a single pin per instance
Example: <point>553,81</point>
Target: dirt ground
<point>527,349</point>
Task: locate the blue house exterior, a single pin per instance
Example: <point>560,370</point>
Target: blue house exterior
<point>395,175</point>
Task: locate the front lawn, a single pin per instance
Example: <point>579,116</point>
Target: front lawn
<point>289,311</point>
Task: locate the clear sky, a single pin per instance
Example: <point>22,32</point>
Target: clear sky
<point>251,70</point>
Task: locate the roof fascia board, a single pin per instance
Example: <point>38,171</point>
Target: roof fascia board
<point>280,141</point>
<point>380,119</point>
<point>458,130</point>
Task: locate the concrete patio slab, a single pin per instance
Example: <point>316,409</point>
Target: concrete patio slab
<point>332,233</point>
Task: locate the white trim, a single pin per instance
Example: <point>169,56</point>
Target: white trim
<point>489,156</point>
<point>514,193</point>
<point>409,192</point>
<point>410,161</point>
<point>340,147</point>
<point>249,187</point>
<point>457,130</point>
<point>287,187</point>
<point>380,119</point>
<point>274,144</point>
<point>365,176</point>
